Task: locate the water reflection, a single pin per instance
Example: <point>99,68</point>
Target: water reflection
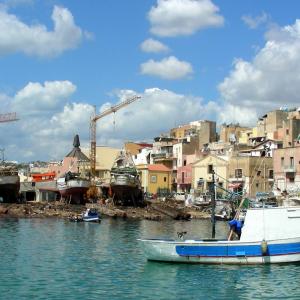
<point>56,259</point>
<point>196,229</point>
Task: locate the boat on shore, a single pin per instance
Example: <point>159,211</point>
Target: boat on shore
<point>268,235</point>
<point>125,183</point>
<point>73,187</point>
<point>9,183</point>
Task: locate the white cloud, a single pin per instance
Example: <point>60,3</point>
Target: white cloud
<point>271,79</point>
<point>151,45</point>
<point>36,98</point>
<point>49,135</point>
<point>168,68</point>
<point>157,111</point>
<point>183,17</point>
<point>16,36</point>
<point>254,22</point>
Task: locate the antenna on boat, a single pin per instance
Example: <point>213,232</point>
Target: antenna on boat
<point>213,207</point>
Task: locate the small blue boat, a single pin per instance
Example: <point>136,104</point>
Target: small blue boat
<point>91,215</point>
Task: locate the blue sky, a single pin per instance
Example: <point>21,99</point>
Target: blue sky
<point>229,61</point>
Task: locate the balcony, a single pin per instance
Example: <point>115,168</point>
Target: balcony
<point>289,169</point>
<point>162,156</point>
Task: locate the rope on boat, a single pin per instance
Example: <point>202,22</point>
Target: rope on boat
<point>243,199</point>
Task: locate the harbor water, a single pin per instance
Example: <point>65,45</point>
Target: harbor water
<point>57,259</point>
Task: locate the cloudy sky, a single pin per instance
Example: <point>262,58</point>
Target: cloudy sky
<point>229,61</point>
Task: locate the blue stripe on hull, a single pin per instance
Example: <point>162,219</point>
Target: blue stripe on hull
<point>236,250</point>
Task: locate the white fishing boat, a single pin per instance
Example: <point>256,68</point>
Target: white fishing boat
<point>261,236</point>
<point>269,235</point>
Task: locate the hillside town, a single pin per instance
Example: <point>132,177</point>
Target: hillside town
<point>261,160</point>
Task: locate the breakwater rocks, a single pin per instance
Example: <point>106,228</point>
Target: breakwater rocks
<point>153,211</point>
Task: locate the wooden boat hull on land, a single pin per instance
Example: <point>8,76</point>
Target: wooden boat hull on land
<point>73,189</point>
<point>73,186</point>
<point>9,188</point>
<point>222,252</point>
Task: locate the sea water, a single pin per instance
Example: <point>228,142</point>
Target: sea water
<point>58,259</point>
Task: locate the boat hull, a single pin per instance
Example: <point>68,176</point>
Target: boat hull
<point>222,252</point>
<point>73,189</point>
<point>9,188</point>
<point>127,195</point>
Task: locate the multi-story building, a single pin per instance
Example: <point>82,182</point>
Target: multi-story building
<point>184,173</point>
<point>265,148</point>
<point>143,157</point>
<point>204,130</point>
<point>291,129</point>
<point>163,151</point>
<point>251,174</point>
<point>202,170</point>
<point>155,179</point>
<point>287,168</point>
<point>105,157</point>
<point>232,133</point>
<point>268,125</point>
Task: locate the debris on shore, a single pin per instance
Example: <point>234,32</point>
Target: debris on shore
<point>156,211</point>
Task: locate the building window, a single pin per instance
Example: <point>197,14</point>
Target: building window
<point>271,174</point>
<point>258,173</point>
<point>184,162</point>
<point>165,179</point>
<point>210,169</point>
<point>292,179</point>
<point>287,131</point>
<point>282,162</point>
<point>153,179</point>
<point>291,162</point>
<point>238,173</point>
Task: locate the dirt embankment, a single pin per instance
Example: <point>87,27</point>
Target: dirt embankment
<point>153,211</point>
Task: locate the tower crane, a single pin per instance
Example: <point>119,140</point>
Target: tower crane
<point>8,117</point>
<point>94,120</point>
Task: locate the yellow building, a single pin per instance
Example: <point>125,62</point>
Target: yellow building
<point>245,135</point>
<point>202,172</point>
<point>155,179</point>
<point>105,157</point>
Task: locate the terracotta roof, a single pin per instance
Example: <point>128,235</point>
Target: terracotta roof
<point>158,167</point>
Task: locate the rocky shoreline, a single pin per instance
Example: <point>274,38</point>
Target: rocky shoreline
<point>156,212</point>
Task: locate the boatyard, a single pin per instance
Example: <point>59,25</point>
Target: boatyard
<point>149,149</point>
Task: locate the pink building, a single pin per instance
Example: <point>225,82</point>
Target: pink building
<point>287,168</point>
<point>74,162</point>
<point>184,173</point>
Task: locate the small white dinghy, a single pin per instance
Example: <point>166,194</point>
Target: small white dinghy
<point>267,235</point>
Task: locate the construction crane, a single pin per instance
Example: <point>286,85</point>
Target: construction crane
<point>94,120</point>
<point>8,117</point>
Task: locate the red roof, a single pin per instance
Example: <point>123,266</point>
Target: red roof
<point>145,145</point>
<point>158,167</point>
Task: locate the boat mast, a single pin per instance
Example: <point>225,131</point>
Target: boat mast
<point>213,206</point>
